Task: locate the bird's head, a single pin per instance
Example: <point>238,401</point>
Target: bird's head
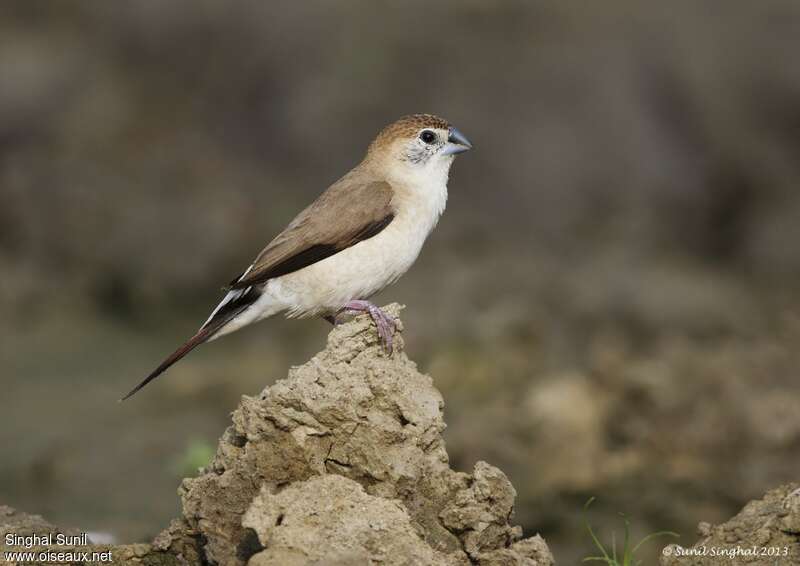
<point>419,143</point>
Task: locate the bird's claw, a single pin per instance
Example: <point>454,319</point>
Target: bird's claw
<point>385,326</point>
<point>383,322</point>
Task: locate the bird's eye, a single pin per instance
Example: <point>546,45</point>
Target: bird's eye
<point>427,136</point>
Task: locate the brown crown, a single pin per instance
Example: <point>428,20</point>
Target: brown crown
<point>408,126</point>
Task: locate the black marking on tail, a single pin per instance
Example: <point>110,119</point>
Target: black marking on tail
<point>234,306</point>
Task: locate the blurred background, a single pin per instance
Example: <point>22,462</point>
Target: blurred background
<point>610,304</point>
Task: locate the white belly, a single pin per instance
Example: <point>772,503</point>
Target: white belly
<point>355,273</point>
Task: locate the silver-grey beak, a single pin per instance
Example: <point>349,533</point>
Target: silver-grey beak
<point>456,142</point>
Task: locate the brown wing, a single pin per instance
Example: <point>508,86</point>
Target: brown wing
<point>350,211</point>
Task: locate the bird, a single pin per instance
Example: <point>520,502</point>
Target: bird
<point>358,237</point>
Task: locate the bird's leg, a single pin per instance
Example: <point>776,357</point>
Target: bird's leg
<point>385,324</point>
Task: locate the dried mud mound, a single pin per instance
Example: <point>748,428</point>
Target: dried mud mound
<point>766,532</point>
<point>343,462</point>
<point>24,525</point>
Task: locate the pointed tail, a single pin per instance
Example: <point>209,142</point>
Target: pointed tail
<point>202,336</point>
<point>234,304</point>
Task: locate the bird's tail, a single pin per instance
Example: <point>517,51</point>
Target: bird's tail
<point>202,336</point>
<point>233,305</point>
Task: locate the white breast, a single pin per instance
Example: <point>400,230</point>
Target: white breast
<point>367,267</point>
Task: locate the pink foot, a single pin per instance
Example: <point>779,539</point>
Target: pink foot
<point>383,321</point>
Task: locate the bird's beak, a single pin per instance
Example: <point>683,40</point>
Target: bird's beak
<point>456,142</point>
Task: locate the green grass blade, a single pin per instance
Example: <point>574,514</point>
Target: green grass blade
<point>599,559</point>
<point>627,556</point>
<point>596,541</point>
<point>654,535</point>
